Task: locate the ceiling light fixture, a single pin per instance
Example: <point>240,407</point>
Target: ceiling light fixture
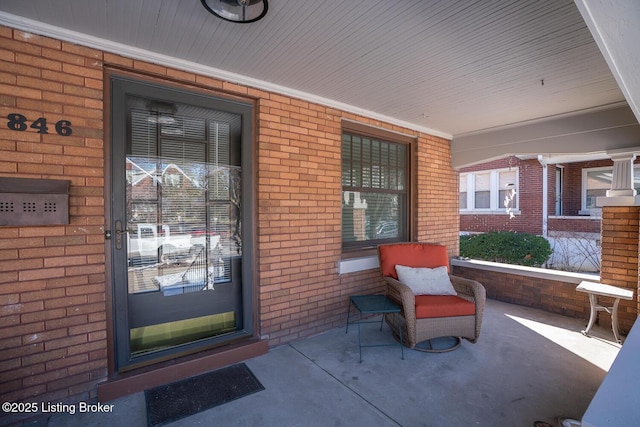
<point>241,11</point>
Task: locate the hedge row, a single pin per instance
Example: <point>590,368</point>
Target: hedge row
<point>506,247</point>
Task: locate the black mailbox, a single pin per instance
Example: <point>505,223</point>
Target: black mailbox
<point>25,201</point>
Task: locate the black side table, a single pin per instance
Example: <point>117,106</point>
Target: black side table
<point>373,304</point>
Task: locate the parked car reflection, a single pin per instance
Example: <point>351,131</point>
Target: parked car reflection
<point>387,230</point>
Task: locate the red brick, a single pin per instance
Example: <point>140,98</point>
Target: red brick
<point>298,193</point>
<point>65,342</point>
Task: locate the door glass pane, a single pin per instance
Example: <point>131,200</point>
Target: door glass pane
<point>168,232</point>
<point>184,239</point>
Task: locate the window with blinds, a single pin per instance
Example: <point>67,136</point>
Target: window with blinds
<point>183,176</point>
<point>374,190</point>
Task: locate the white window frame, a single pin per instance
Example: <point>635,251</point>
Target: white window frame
<point>584,210</point>
<point>496,205</point>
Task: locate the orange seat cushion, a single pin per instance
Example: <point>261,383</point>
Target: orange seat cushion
<point>431,306</point>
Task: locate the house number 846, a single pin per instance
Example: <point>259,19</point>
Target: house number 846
<point>19,122</point>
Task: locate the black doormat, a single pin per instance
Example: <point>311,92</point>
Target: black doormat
<point>186,397</point>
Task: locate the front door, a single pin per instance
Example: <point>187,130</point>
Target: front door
<point>559,174</point>
<point>180,193</point>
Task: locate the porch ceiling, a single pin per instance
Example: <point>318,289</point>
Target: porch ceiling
<point>458,69</point>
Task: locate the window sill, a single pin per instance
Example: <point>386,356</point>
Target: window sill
<point>576,217</point>
<point>488,212</point>
<point>360,259</point>
<point>590,212</point>
<point>353,265</point>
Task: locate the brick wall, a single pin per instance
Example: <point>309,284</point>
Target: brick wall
<point>574,225</point>
<point>299,215</point>
<point>299,220</point>
<point>555,296</point>
<point>52,279</point>
<point>493,164</point>
<point>438,187</point>
<point>619,264</point>
<point>53,328</point>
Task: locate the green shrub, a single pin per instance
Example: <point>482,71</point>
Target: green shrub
<point>506,247</point>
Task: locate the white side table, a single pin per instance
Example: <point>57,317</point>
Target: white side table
<point>600,289</point>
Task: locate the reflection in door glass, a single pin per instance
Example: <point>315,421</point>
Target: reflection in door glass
<point>190,247</point>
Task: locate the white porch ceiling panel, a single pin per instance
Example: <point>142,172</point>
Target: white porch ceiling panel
<point>452,66</point>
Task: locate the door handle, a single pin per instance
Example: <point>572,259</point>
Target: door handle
<point>120,232</point>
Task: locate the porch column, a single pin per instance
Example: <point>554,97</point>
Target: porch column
<point>621,235</point>
<point>622,182</point>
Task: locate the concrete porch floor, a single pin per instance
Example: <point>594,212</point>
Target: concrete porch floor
<point>528,365</point>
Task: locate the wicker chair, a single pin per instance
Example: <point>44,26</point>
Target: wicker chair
<point>439,316</point>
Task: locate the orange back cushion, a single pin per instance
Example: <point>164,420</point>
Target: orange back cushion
<point>412,255</point>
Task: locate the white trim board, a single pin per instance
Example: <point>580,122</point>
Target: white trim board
<point>40,28</point>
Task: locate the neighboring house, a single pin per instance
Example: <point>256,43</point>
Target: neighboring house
<point>512,194</point>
